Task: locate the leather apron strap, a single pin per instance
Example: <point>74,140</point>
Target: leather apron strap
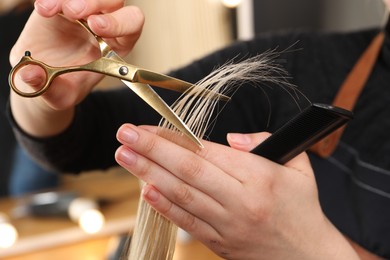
<point>350,91</point>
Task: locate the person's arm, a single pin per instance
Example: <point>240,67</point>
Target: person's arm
<point>59,41</point>
<point>41,123</point>
<point>240,205</point>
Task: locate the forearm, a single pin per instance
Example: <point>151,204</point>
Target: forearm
<point>38,119</point>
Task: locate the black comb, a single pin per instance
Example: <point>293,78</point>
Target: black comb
<point>297,135</point>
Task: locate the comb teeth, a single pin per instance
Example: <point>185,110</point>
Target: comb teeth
<point>297,135</point>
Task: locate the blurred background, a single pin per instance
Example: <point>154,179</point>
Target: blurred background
<point>176,32</point>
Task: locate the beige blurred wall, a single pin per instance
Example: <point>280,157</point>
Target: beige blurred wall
<point>178,31</point>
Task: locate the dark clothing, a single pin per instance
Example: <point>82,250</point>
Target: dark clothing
<point>19,174</point>
<point>354,183</point>
<point>11,25</point>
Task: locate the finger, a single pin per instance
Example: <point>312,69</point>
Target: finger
<point>48,8</point>
<point>196,227</point>
<point>64,93</point>
<point>237,164</point>
<point>178,192</point>
<point>184,164</point>
<point>246,142</point>
<point>124,24</point>
<point>77,9</point>
<point>30,78</point>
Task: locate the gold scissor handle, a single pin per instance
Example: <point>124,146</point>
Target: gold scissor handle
<point>53,72</point>
<point>27,60</point>
<point>105,49</point>
<point>50,74</point>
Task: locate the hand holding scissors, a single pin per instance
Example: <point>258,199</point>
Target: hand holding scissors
<point>58,40</point>
<point>110,63</point>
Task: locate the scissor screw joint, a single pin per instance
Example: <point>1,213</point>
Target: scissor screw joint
<point>123,70</point>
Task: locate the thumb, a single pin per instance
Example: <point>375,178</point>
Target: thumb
<point>246,142</point>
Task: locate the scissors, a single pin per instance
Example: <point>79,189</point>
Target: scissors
<point>111,64</point>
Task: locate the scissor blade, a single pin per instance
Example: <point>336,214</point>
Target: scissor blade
<point>167,82</point>
<point>164,81</point>
<point>146,92</point>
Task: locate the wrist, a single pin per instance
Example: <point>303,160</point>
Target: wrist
<point>38,119</point>
<point>331,244</point>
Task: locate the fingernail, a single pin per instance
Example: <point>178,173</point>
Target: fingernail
<point>241,139</point>
<point>128,135</point>
<point>150,194</point>
<point>127,156</point>
<point>76,6</point>
<point>100,21</point>
<point>47,4</point>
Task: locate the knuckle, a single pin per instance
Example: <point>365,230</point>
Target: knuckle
<point>257,214</point>
<point>143,171</point>
<point>182,195</point>
<point>166,209</point>
<point>149,145</point>
<point>191,168</point>
<point>189,223</point>
<point>220,248</point>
